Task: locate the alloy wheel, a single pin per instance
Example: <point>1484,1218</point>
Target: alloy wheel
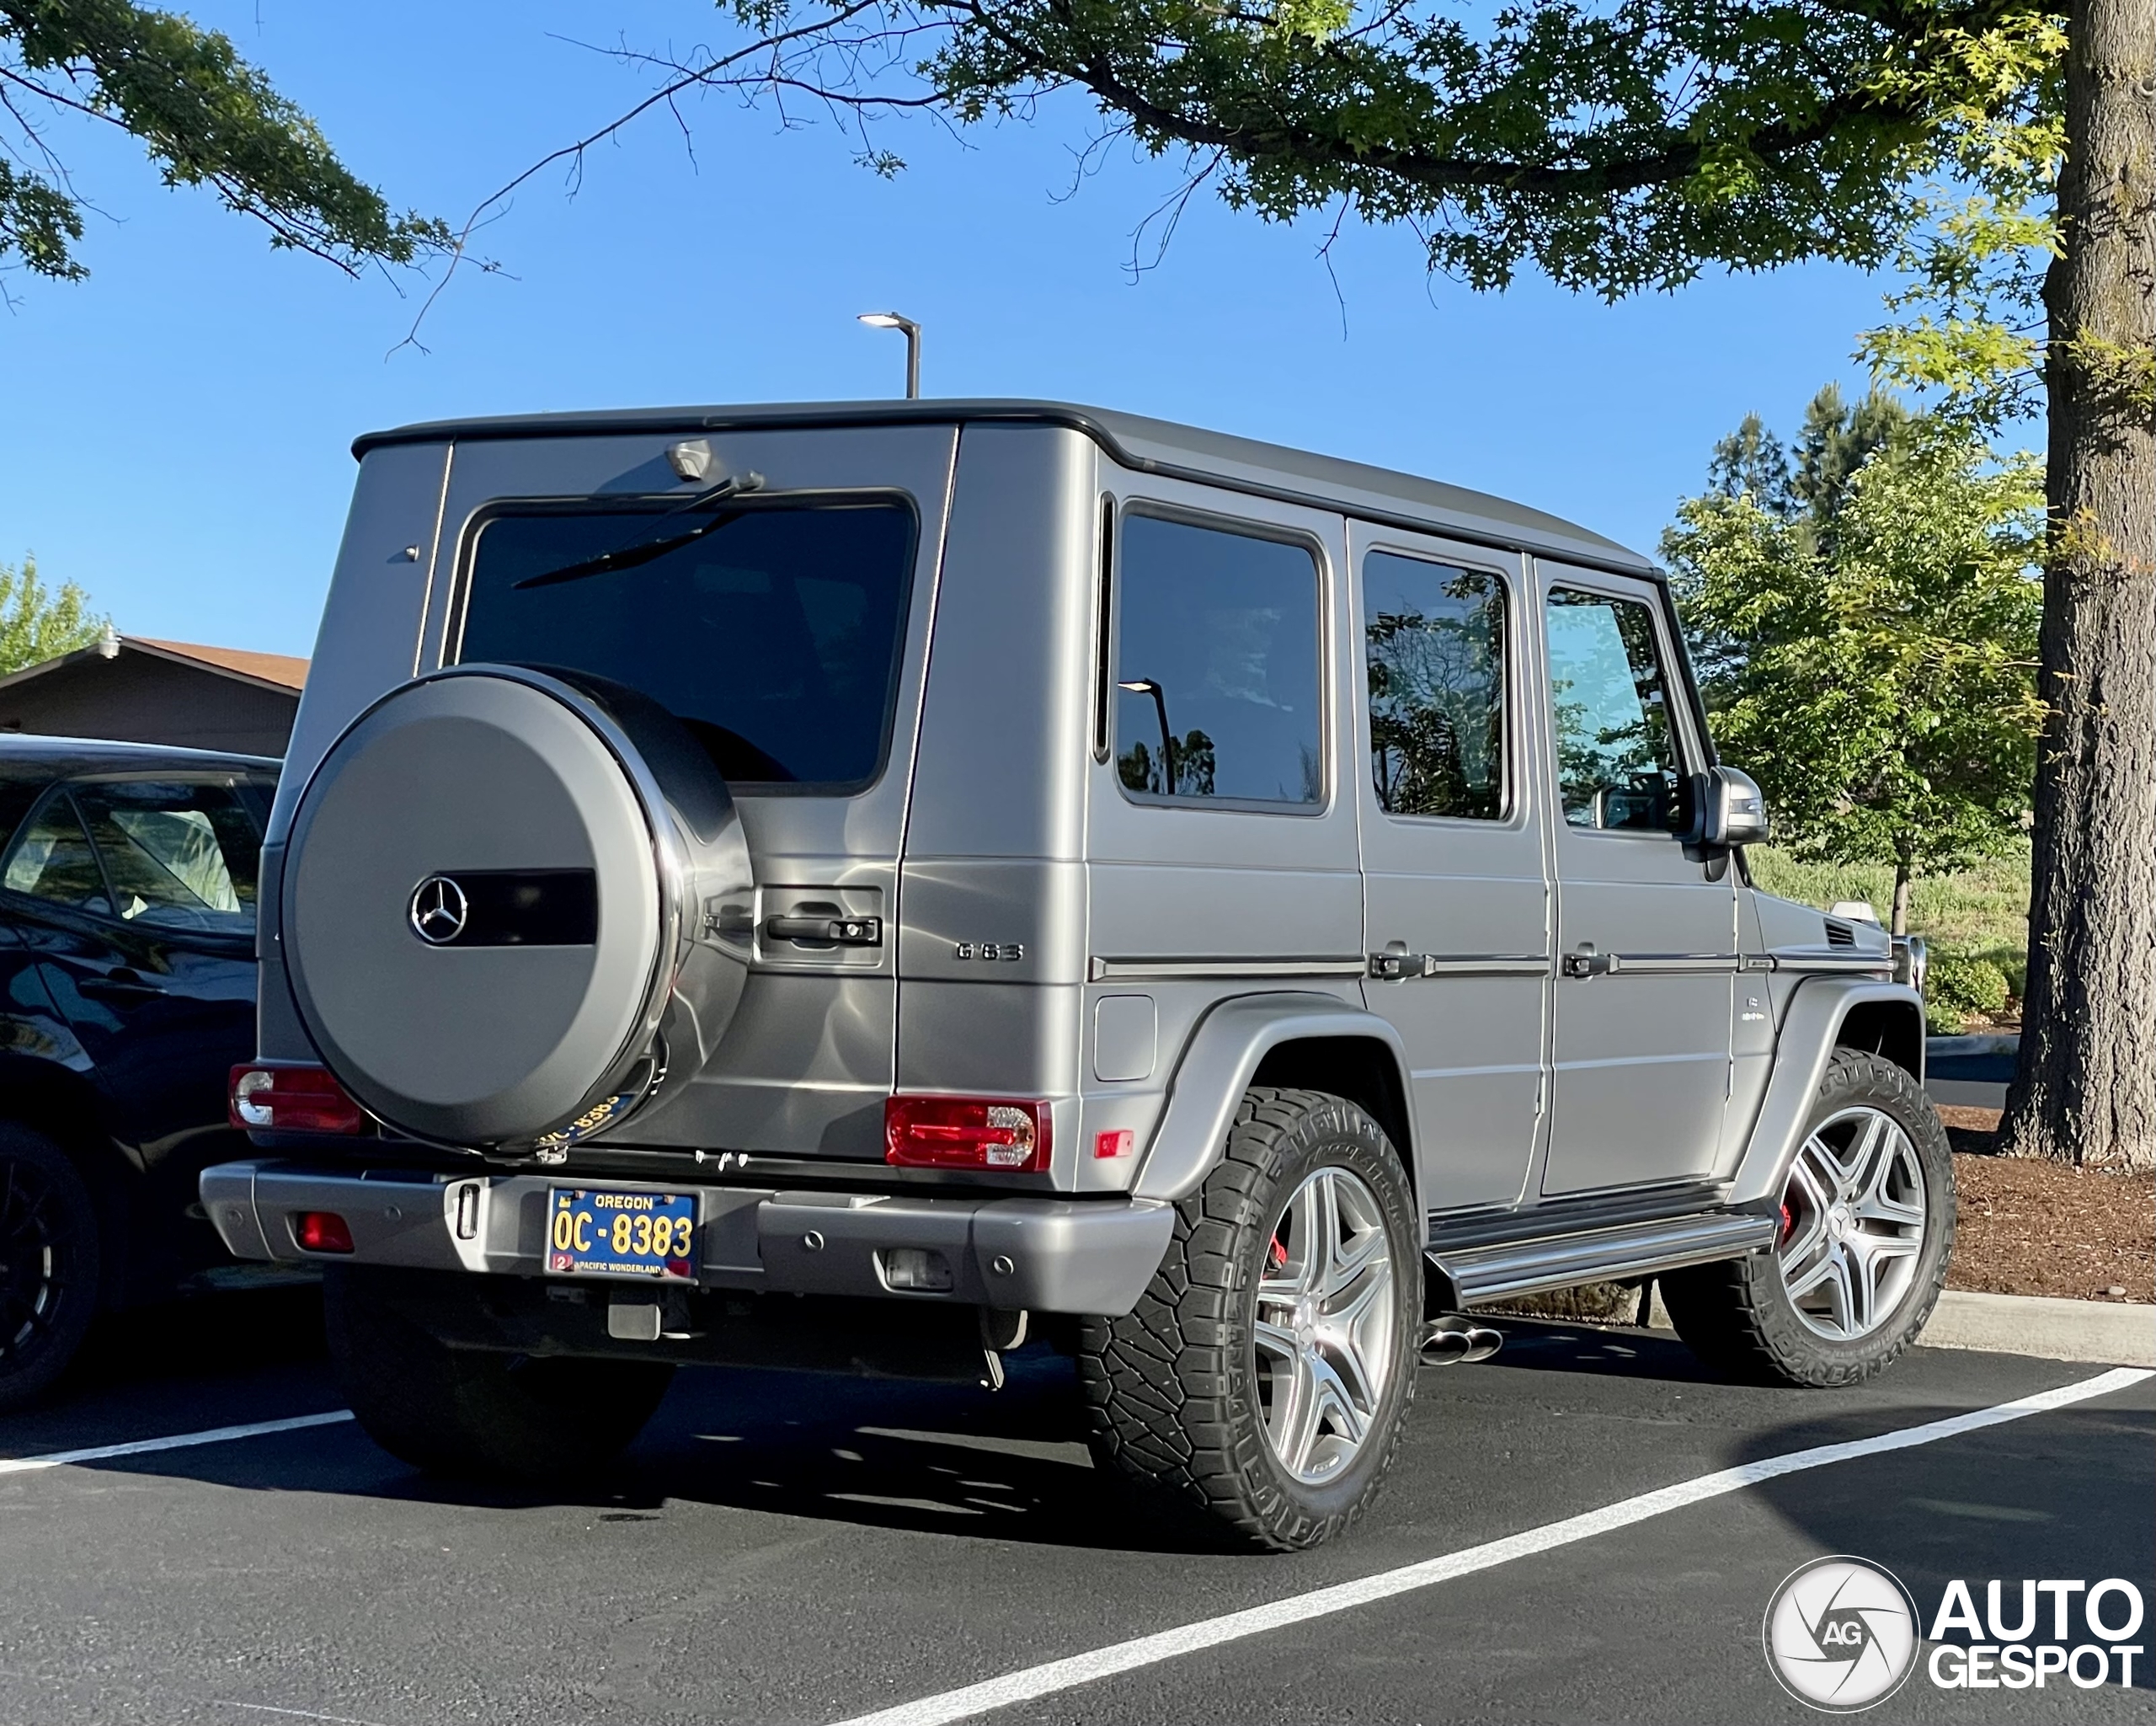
<point>1853,1219</point>
<point>1326,1326</point>
<point>33,1235</point>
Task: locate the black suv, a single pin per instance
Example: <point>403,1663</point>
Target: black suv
<point>127,887</point>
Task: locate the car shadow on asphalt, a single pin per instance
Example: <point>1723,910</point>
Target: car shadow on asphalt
<point>1011,1465</point>
<point>200,1335</point>
<point>1544,1345</point>
<point>952,1459</point>
<point>890,1454</point>
<point>199,1361</point>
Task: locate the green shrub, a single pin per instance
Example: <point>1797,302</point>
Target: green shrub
<point>1940,1020</point>
<point>2014,962</point>
<point>1957,985</point>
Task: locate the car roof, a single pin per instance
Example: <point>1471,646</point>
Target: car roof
<point>57,758</point>
<point>1132,439</point>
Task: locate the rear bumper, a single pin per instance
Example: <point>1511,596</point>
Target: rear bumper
<point>1041,1255</point>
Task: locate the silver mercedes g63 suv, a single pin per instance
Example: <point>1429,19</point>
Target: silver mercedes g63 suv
<point>853,887</point>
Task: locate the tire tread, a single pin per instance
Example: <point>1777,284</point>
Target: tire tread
<point>1161,1385</point>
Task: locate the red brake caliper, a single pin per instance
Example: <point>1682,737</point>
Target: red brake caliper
<point>1789,1221</point>
<point>1279,1253</point>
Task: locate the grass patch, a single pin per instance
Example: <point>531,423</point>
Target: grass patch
<point>1979,913</point>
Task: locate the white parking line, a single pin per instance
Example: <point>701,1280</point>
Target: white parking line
<point>178,1442</point>
<point>1034,1681</point>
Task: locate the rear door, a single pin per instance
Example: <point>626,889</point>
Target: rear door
<point>1221,801</point>
<point>791,638</point>
<point>1647,932</point>
<point>1457,902</point>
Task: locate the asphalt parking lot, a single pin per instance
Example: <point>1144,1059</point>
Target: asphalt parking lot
<point>787,1548</point>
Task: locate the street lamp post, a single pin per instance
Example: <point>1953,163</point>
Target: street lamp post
<point>1146,686</point>
<point>893,320</point>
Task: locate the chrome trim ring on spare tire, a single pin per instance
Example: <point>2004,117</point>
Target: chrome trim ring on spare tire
<point>1853,1219</point>
<point>1327,1324</point>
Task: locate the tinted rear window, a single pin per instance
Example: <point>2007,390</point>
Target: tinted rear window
<point>773,634</point>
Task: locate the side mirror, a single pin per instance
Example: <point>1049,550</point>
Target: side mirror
<point>1734,812</point>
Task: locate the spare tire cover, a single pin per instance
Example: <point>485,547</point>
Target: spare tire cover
<point>476,913</point>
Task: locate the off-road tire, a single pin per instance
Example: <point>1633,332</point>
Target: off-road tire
<point>1171,1390</point>
<point>51,1259</point>
<point>475,1414</point>
<point>1738,1316</point>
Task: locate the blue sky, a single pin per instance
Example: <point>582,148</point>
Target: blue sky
<point>174,432</point>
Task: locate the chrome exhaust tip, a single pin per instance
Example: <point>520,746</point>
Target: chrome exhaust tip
<point>1452,1340</point>
<point>1442,1345</point>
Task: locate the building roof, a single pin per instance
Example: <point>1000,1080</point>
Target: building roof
<point>1132,439</point>
<point>282,670</point>
<point>268,671</point>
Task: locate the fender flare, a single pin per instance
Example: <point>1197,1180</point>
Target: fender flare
<point>1218,1062</point>
<point>1809,1030</point>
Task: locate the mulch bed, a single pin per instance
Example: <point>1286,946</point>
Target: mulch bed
<point>2032,1228</point>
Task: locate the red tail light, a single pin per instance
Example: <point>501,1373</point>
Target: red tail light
<point>291,1099</point>
<point>966,1132</point>
<point>321,1232</point>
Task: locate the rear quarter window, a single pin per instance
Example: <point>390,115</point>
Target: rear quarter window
<point>1217,696</point>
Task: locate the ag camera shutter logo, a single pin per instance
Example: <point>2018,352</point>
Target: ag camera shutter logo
<point>1841,1634</point>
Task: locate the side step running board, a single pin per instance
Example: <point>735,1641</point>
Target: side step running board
<point>1481,1274</point>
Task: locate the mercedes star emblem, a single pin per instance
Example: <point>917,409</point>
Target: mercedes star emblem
<point>439,910</point>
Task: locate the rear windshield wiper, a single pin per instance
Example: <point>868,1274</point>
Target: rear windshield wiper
<point>647,551</point>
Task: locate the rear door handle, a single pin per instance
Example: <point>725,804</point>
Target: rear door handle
<point>1588,963</point>
<point>840,932</point>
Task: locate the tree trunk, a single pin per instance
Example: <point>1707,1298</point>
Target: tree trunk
<point>2085,1090</point>
<point>1898,918</point>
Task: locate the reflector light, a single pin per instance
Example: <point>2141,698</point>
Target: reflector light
<point>1121,1142</point>
<point>291,1099</point>
<point>321,1232</point>
<point>965,1132</point>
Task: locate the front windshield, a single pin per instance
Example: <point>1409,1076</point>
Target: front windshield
<point>773,635</point>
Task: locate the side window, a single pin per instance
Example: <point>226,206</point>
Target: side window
<point>1617,760</point>
<point>1433,644</point>
<point>179,856</point>
<point>1217,666</point>
<point>50,859</point>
